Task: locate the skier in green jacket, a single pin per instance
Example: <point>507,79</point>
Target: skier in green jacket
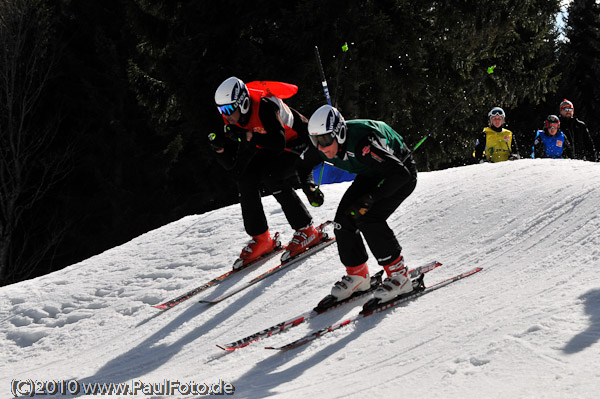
<point>386,175</point>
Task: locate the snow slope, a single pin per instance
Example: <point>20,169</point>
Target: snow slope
<point>527,326</point>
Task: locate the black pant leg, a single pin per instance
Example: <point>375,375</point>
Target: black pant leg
<point>248,183</point>
<point>351,248</point>
<point>373,225</point>
<point>277,179</point>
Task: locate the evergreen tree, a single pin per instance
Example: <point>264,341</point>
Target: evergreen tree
<point>136,78</point>
<point>116,186</point>
<point>422,66</point>
<point>580,62</point>
<point>186,50</point>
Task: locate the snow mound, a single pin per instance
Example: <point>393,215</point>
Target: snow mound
<point>527,326</point>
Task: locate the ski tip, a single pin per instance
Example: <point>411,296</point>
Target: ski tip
<point>162,306</point>
<point>472,271</point>
<point>225,348</point>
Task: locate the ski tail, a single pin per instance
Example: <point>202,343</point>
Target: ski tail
<point>325,242</point>
<point>217,280</point>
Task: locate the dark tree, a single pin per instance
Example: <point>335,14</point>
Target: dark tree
<point>27,131</point>
<point>580,62</point>
<point>135,81</point>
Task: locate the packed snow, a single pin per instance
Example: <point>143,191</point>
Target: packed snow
<point>527,326</point>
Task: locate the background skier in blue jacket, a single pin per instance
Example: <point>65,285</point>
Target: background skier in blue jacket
<point>551,141</point>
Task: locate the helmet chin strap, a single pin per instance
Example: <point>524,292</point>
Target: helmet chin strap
<point>341,147</point>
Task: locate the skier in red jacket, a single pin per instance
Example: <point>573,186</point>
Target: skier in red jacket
<point>269,145</point>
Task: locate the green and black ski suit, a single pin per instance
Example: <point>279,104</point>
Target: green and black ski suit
<point>375,153</point>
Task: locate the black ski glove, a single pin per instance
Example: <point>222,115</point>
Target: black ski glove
<point>235,133</point>
<point>216,141</point>
<point>360,207</point>
<point>314,194</point>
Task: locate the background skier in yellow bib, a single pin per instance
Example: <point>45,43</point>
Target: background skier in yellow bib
<point>495,142</point>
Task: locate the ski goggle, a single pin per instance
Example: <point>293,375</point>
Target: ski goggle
<point>553,126</point>
<point>496,112</point>
<point>226,109</point>
<point>567,109</point>
<point>323,140</point>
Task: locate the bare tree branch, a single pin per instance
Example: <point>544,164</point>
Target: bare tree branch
<point>28,169</point>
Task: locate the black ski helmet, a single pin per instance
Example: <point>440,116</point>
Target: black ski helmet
<point>551,119</point>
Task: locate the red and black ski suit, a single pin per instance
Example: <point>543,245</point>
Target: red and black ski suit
<point>271,157</point>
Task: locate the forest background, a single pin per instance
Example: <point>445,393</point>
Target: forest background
<point>106,105</point>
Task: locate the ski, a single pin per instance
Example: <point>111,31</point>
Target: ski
<point>325,242</point>
<point>379,308</point>
<point>295,321</point>
<point>218,280</point>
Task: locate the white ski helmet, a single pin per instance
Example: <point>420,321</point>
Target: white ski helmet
<point>231,95</point>
<point>497,111</point>
<point>325,125</point>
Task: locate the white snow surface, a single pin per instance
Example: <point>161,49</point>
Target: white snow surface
<point>527,326</point>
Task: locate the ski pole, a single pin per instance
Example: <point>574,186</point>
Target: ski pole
<point>414,149</point>
<point>327,97</point>
<point>337,79</point>
<point>323,80</point>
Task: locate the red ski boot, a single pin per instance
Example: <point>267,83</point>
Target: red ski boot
<point>303,239</point>
<point>257,247</point>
